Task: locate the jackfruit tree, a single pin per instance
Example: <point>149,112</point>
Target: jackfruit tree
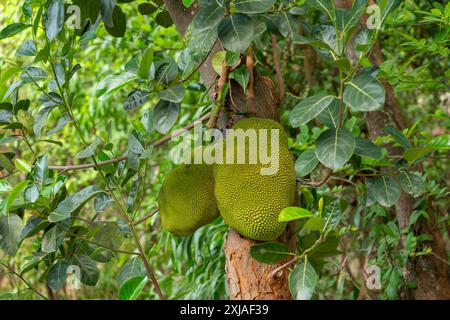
<point>224,149</point>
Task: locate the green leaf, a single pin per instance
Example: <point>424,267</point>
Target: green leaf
<point>164,71</point>
<point>136,99</point>
<point>33,74</point>
<point>385,190</point>
<point>146,8</point>
<point>164,19</point>
<point>89,151</point>
<point>32,227</point>
<point>174,94</point>
<point>108,234</point>
<point>41,169</point>
<point>441,142</point>
<point>4,186</point>
<point>332,215</point>
<point>228,58</point>
<point>366,148</point>
<point>414,154</point>
<point>208,17</point>
<point>132,268</point>
<point>12,30</point>
<point>72,203</point>
<point>147,120</point>
<point>22,165</point>
<point>364,93</point>
<point>119,23</point>
<point>53,238</point>
<point>253,6</point>
<point>315,224</point>
<point>309,108</point>
<point>236,32</point>
<point>187,3</point>
<point>302,281</point>
<point>288,25</point>
<point>54,18</point>
<point>412,183</point>
<point>269,252</point>
<point>306,163</point>
<point>88,268</point>
<point>6,163</point>
<point>399,137</point>
<point>241,76</point>
<point>107,9</point>
<point>199,46</point>
<point>102,201</point>
<point>347,19</point>
<point>335,147</point>
<point>134,143</point>
<point>13,194</point>
<point>41,119</point>
<point>57,275</point>
<point>294,213</point>
<point>132,288</point>
<point>26,119</point>
<point>27,49</point>
<point>113,83</point>
<point>10,228</point>
<point>330,115</point>
<point>165,115</point>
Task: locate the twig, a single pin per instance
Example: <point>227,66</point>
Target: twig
<point>123,158</point>
<point>151,214</point>
<point>223,79</point>
<point>24,281</point>
<point>304,255</point>
<point>250,97</point>
<point>276,58</point>
<point>316,184</point>
<point>283,266</point>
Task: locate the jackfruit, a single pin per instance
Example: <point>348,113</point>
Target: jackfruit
<point>249,201</point>
<point>186,199</point>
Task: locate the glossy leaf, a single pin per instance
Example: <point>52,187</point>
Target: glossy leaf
<point>309,108</point>
<point>335,147</point>
<point>364,93</point>
<point>302,281</point>
<point>269,252</point>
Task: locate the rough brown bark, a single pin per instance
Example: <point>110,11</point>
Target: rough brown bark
<point>429,273</point>
<point>246,277</point>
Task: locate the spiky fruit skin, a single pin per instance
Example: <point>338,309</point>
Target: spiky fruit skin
<point>250,202</point>
<point>186,199</point>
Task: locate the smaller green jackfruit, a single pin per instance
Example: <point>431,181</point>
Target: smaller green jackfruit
<point>186,200</point>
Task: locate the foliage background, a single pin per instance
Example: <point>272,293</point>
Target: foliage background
<point>416,64</point>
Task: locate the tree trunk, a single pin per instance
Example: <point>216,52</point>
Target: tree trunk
<point>429,273</point>
<point>246,278</point>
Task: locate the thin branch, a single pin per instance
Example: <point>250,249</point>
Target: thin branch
<point>316,184</point>
<point>283,266</point>
<point>151,214</point>
<point>123,158</point>
<point>250,97</point>
<point>223,79</point>
<point>24,281</point>
<point>305,253</point>
<point>276,58</point>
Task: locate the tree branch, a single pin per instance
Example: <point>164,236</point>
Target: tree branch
<point>276,58</point>
<point>123,158</point>
<point>316,184</point>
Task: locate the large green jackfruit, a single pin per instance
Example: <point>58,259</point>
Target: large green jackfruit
<point>249,201</point>
<point>186,199</point>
